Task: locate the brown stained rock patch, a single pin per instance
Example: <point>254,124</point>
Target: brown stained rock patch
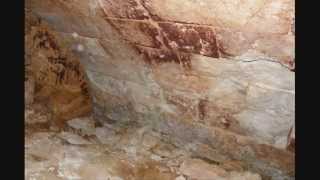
<point>137,32</point>
<point>281,159</point>
<point>195,37</point>
<point>135,11</point>
<point>190,38</point>
<point>147,7</point>
<point>152,170</point>
<point>60,82</point>
<point>201,108</point>
<point>129,9</point>
<point>30,20</point>
<point>151,31</point>
<point>179,38</point>
<point>44,40</point>
<point>158,56</point>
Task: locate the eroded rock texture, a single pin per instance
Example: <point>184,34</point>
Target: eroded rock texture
<point>53,76</point>
<point>215,78</point>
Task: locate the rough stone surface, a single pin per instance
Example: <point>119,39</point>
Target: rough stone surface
<point>54,77</point>
<point>200,170</point>
<point>213,78</point>
<point>73,155</point>
<point>206,27</point>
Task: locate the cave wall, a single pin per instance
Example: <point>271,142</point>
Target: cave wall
<point>216,77</point>
<point>54,77</point>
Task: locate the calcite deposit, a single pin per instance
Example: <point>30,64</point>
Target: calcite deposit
<point>160,89</point>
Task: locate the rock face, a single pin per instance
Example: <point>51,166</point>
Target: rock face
<point>54,77</point>
<point>197,169</point>
<point>215,78</point>
<point>211,28</point>
<point>131,154</point>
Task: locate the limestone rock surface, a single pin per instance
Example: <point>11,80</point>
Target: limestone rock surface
<point>214,78</point>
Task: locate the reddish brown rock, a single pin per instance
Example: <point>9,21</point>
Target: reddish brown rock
<point>127,9</point>
<point>58,77</point>
<point>239,27</point>
<point>188,38</point>
<point>159,56</point>
<point>138,32</point>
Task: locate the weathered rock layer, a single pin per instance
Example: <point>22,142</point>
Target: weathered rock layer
<point>213,77</point>
<point>54,76</point>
